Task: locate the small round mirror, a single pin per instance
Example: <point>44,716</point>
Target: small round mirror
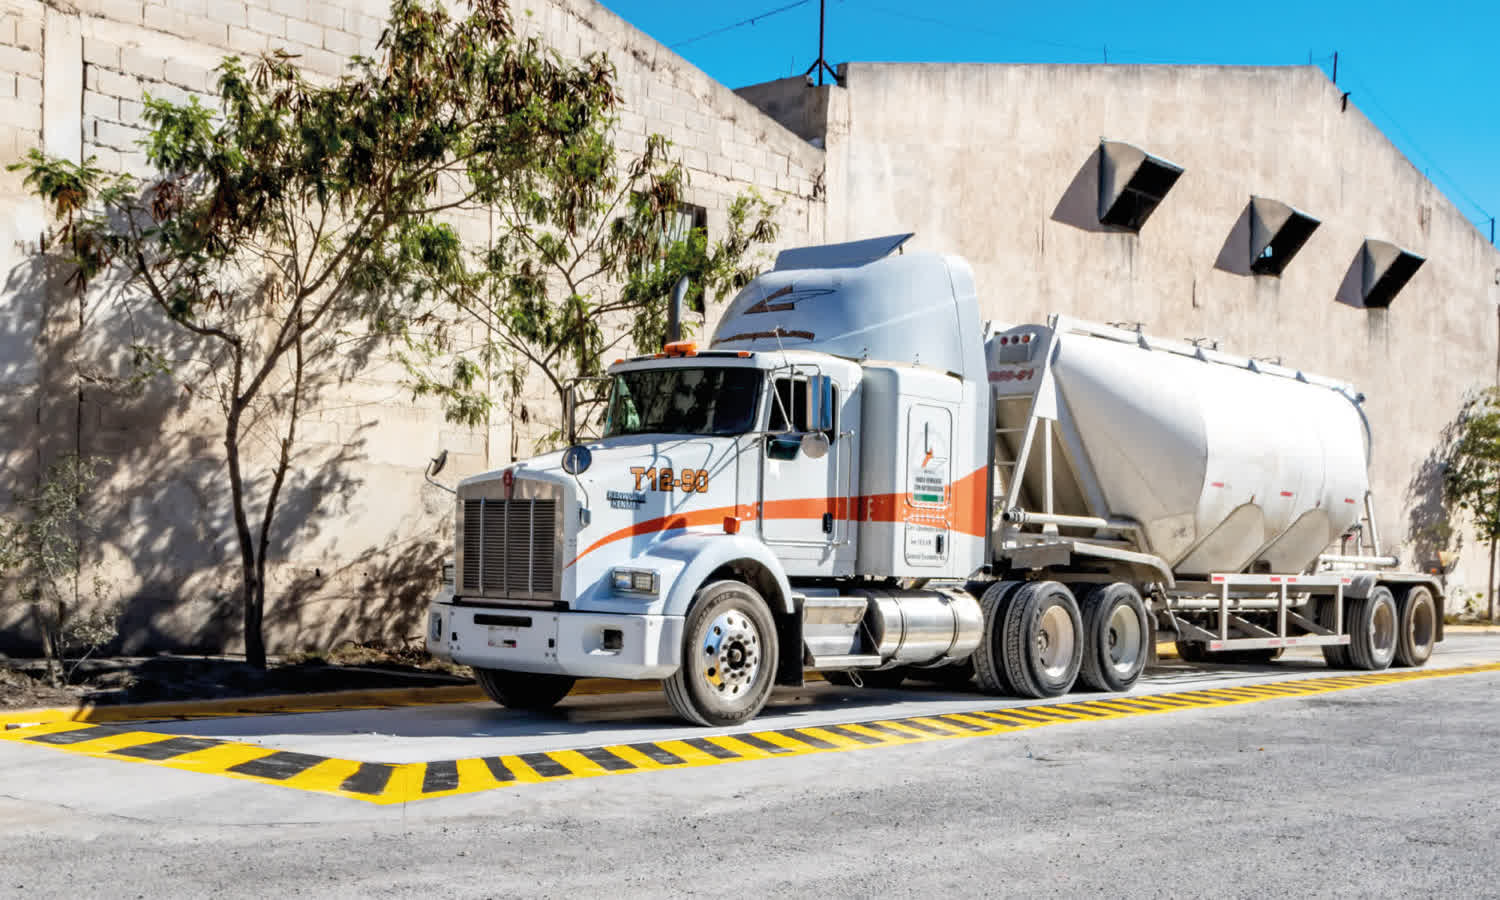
<point>815,444</point>
<point>576,460</point>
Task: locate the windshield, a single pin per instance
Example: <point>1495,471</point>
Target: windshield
<point>720,400</point>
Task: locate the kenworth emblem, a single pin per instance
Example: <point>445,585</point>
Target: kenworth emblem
<point>625,499</point>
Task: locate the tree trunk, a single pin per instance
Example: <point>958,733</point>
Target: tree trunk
<point>1490,582</point>
<point>255,611</point>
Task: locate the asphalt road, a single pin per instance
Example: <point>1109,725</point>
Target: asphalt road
<point>1377,791</point>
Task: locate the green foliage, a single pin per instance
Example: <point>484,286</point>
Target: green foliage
<point>301,221</point>
<point>1472,475</point>
<point>43,548</point>
<point>584,259</point>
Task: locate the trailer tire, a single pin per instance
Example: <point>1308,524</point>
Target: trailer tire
<point>1335,656</point>
<point>523,690</point>
<point>1373,626</point>
<point>729,656</point>
<point>1115,629</point>
<point>1042,640</point>
<point>1417,633</point>
<point>989,671</point>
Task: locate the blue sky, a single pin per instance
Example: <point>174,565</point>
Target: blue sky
<point>1427,74</point>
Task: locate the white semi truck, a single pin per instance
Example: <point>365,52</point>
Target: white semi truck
<point>856,476</point>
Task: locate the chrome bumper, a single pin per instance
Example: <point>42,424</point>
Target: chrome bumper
<point>582,644</point>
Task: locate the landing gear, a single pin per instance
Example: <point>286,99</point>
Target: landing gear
<point>729,657</point>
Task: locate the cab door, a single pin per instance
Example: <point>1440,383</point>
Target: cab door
<point>806,504</point>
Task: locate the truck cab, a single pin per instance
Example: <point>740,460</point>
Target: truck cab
<point>827,438</point>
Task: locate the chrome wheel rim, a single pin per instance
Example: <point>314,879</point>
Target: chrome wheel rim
<point>1124,639</point>
<point>1054,641</point>
<point>1383,630</point>
<point>731,654</point>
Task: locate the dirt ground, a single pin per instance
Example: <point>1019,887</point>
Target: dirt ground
<point>24,683</point>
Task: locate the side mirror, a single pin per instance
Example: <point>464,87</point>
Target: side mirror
<point>815,444</point>
<point>819,404</point>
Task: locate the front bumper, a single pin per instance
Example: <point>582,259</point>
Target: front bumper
<point>562,643</point>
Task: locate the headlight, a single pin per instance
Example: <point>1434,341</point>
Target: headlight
<point>448,572</point>
<point>634,581</point>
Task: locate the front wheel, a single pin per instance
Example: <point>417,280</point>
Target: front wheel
<point>523,690</point>
<point>729,655</point>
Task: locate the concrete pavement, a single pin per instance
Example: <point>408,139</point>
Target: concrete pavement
<point>1370,791</point>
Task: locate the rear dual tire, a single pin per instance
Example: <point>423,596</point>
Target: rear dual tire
<point>1373,623</point>
<point>1116,629</point>
<point>1033,639</point>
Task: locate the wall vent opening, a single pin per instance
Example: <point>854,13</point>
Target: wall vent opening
<point>1132,183</point>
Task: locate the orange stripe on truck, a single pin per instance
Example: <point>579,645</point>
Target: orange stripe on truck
<point>966,509</point>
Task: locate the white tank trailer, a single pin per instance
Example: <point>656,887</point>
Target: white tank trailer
<point>859,477</point>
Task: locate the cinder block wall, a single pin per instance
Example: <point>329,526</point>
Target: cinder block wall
<point>361,534</point>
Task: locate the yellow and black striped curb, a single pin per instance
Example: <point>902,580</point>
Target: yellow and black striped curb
<point>389,783</point>
<point>327,701</point>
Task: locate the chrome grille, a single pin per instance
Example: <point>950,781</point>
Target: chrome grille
<point>509,548</point>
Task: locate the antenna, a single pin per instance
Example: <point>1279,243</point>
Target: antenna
<point>820,65</point>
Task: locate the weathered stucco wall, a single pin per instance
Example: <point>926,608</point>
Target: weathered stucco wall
<point>977,160</point>
<point>361,534</point>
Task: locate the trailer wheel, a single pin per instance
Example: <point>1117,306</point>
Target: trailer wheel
<point>988,668</point>
<point>523,690</point>
<point>1115,629</point>
<point>1040,640</point>
<point>1373,625</point>
<point>729,654</point>
<point>1418,626</point>
<point>1335,656</point>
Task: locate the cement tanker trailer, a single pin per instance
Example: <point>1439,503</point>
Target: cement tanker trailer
<point>856,476</point>
<point>1234,493</point>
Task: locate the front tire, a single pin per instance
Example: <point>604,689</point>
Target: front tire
<point>729,657</point>
<point>1417,628</point>
<point>523,690</point>
<point>1115,631</point>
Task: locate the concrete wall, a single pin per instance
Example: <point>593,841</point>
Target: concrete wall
<point>986,161</point>
<point>361,535</point>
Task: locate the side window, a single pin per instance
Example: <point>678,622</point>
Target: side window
<point>791,399</point>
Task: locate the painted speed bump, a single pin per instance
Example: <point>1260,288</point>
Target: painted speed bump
<point>391,783</point>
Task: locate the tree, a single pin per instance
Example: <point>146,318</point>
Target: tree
<point>1472,476</point>
<point>304,216</point>
<point>44,547</point>
<point>586,254</point>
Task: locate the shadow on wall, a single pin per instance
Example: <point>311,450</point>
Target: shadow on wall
<point>1429,527</point>
<point>1079,205</point>
<point>160,527</point>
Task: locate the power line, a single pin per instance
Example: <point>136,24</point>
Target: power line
<point>740,24</point>
<point>1431,163</point>
<point>970,28</point>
